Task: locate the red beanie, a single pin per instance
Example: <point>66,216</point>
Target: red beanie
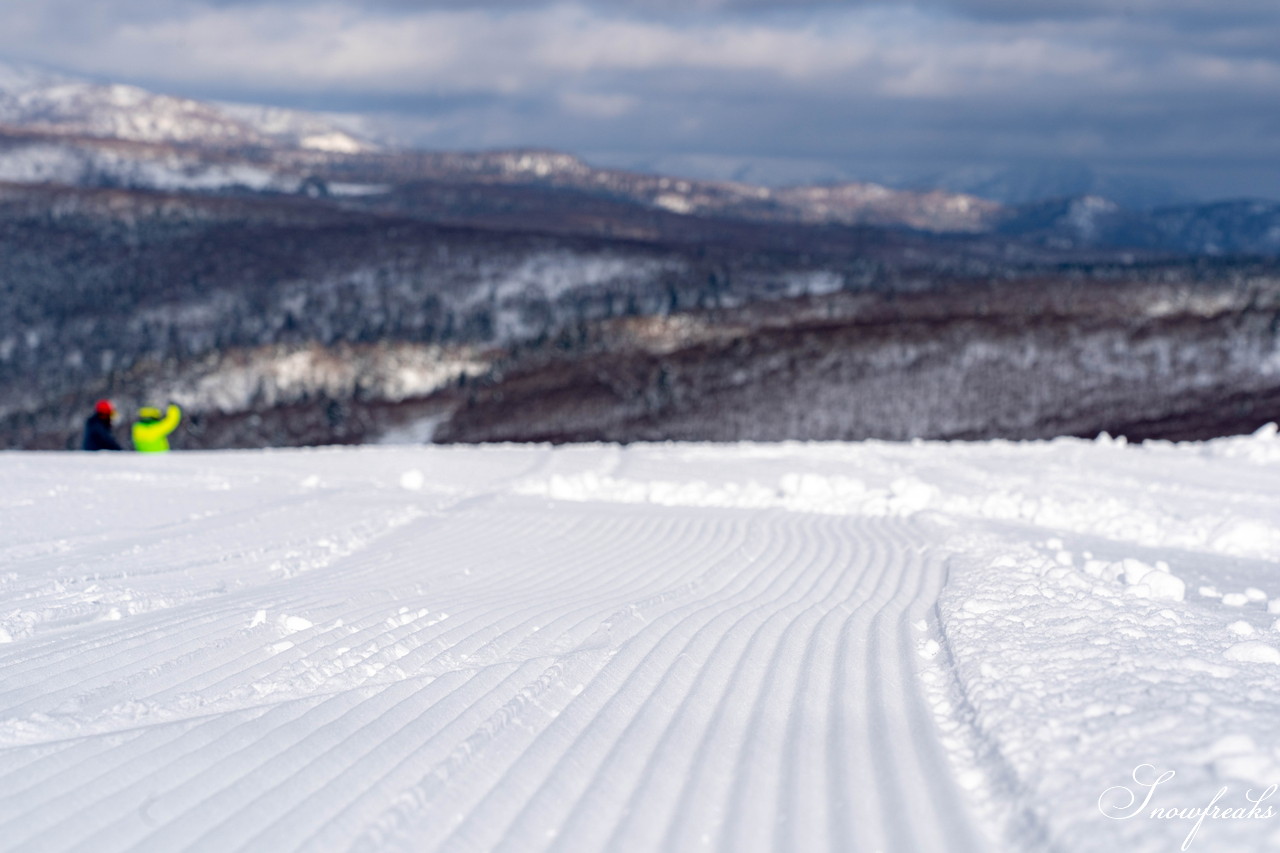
<point>104,408</point>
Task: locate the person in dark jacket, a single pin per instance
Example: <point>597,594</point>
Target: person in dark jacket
<point>97,429</point>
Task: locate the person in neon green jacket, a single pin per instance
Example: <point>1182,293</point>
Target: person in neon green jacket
<point>151,432</point>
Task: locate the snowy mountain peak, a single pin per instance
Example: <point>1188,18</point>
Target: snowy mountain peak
<point>312,131</point>
<point>41,102</point>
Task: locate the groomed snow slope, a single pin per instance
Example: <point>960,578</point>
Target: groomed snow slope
<point>661,647</point>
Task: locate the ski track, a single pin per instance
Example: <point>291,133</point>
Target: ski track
<point>483,669</point>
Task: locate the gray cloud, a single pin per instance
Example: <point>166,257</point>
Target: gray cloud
<point>1158,87</point>
<point>1215,13</point>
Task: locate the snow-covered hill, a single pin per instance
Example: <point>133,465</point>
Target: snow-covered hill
<point>62,123</point>
<point>64,130</point>
<point>845,647</point>
<point>43,102</point>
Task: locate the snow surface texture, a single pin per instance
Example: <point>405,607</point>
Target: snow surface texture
<point>746,647</point>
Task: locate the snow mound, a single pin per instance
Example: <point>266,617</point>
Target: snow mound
<point>1253,652</point>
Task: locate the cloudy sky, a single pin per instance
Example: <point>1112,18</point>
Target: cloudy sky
<point>1181,91</point>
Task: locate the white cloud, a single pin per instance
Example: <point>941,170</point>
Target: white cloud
<point>501,51</point>
<point>344,47</point>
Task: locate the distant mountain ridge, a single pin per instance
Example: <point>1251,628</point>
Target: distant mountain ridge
<point>61,129</point>
<point>43,102</point>
<point>1090,222</point>
<point>57,129</point>
<point>1017,185</point>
